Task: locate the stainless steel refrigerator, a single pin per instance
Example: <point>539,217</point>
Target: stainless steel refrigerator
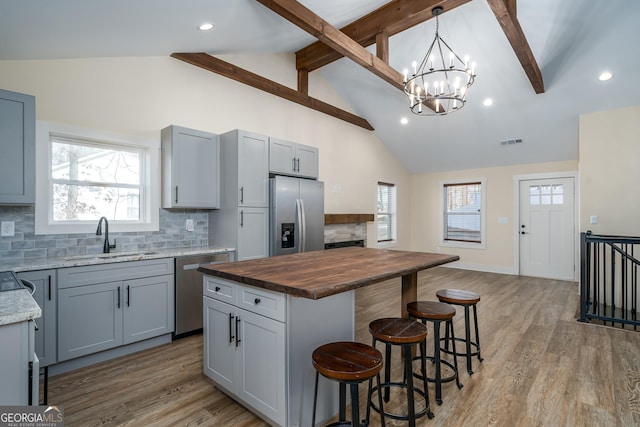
<point>296,215</point>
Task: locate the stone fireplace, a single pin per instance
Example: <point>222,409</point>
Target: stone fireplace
<point>340,228</point>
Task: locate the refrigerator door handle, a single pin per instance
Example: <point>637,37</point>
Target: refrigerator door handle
<point>299,225</point>
<point>303,227</point>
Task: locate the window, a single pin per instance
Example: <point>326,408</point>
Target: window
<point>89,175</point>
<point>546,194</point>
<point>463,214</point>
<point>90,180</point>
<point>386,213</point>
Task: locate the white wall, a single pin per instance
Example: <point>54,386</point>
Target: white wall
<point>610,171</point>
<point>498,255</point>
<point>139,96</point>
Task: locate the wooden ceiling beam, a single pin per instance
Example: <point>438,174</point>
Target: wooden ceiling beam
<point>505,12</point>
<point>304,18</point>
<point>223,68</point>
<point>391,19</point>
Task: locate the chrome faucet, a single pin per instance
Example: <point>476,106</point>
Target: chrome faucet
<point>107,246</point>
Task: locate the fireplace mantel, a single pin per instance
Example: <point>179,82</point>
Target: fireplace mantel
<point>347,218</point>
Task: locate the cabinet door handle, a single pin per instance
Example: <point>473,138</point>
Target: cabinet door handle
<point>241,218</point>
<point>118,296</point>
<point>176,194</point>
<point>256,301</point>
<point>241,194</point>
<point>49,287</point>
<point>294,164</point>
<point>128,295</point>
<point>231,337</point>
<point>298,164</point>
<point>217,289</point>
<point>238,340</point>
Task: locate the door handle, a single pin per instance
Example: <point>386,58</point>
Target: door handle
<point>298,164</point>
<point>241,218</point>
<point>242,194</point>
<point>176,194</point>
<point>523,232</point>
<point>49,287</point>
<point>118,296</point>
<point>128,295</point>
<point>231,337</point>
<point>256,301</point>
<point>238,340</point>
<point>294,164</point>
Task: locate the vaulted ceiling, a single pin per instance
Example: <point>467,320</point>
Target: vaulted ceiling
<point>572,41</point>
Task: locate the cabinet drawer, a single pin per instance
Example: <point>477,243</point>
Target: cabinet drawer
<point>220,289</point>
<point>266,303</point>
<point>102,273</point>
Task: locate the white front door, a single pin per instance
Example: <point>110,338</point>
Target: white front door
<point>546,230</point>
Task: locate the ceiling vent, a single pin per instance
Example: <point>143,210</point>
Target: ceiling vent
<point>516,141</point>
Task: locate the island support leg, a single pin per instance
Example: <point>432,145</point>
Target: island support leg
<point>409,294</point>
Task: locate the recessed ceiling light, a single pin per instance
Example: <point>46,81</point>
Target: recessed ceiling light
<point>404,120</point>
<point>206,27</point>
<point>605,76</point>
<point>487,102</point>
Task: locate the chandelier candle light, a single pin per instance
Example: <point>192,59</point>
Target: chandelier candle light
<point>439,86</point>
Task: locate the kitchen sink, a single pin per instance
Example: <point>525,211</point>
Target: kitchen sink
<point>108,256</point>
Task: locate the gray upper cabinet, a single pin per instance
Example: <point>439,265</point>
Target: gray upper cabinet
<point>190,169</point>
<point>291,158</point>
<point>18,143</point>
<point>46,296</point>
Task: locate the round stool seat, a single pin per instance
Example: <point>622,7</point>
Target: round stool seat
<point>431,310</point>
<point>458,296</point>
<point>397,330</point>
<point>347,361</point>
<point>468,300</point>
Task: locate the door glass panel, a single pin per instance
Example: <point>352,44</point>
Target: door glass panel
<point>546,199</point>
<point>557,199</point>
<point>534,190</point>
<point>545,189</point>
<point>534,200</point>
<point>558,189</point>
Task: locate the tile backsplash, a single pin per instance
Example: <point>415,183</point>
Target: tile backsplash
<point>172,234</point>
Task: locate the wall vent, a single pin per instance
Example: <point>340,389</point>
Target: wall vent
<point>511,141</point>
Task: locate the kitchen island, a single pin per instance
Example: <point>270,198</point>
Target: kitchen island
<point>263,319</point>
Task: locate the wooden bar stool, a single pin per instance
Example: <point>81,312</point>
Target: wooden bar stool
<point>405,333</point>
<point>348,363</point>
<point>437,312</point>
<point>465,299</point>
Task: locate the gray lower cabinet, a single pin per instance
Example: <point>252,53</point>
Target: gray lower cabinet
<point>244,345</point>
<point>18,159</point>
<point>93,317</point>
<point>46,296</point>
<point>14,364</point>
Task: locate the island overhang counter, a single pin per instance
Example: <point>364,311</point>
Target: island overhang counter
<point>263,318</point>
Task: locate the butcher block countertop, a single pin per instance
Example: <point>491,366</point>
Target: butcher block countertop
<point>320,274</point>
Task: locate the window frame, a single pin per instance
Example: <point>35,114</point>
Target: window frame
<point>483,214</point>
<point>149,193</point>
<point>393,215</point>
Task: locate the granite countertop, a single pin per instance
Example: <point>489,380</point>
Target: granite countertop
<point>32,264</point>
<point>17,306</point>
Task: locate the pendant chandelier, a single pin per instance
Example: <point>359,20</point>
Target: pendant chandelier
<point>438,86</point>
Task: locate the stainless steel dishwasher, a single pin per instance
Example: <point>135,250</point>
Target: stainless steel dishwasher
<point>188,296</point>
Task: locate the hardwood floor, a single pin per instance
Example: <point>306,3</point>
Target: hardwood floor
<point>541,367</point>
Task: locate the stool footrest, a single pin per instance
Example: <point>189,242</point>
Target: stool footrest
<point>473,344</point>
<point>425,411</point>
<point>443,379</point>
